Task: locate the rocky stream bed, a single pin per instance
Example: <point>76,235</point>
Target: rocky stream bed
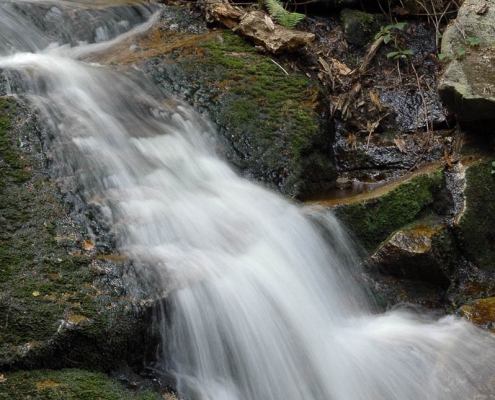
<point>409,178</point>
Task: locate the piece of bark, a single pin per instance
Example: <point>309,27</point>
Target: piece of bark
<point>226,15</point>
<point>273,38</point>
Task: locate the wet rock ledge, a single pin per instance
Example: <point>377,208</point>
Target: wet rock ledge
<point>63,303</point>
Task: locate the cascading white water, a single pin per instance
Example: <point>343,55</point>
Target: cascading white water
<point>260,306</point>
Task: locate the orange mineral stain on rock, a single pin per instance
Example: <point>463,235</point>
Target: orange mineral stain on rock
<point>153,43</point>
<point>480,312</point>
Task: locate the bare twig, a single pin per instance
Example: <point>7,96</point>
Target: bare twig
<point>371,53</point>
<point>372,127</point>
<point>278,65</point>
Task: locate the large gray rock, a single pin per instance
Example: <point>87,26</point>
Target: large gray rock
<point>468,84</point>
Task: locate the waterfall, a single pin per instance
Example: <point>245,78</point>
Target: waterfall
<point>260,306</point>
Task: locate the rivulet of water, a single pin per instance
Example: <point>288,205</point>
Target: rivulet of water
<point>261,307</point>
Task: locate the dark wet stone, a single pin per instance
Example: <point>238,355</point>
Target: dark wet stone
<point>359,27</point>
<point>388,292</point>
<point>480,312</point>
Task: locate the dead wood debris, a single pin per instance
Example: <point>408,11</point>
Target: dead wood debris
<point>257,26</point>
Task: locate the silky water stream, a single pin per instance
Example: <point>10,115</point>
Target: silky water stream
<point>260,306</point>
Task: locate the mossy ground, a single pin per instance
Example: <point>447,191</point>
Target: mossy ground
<point>69,384</point>
<point>59,304</point>
<point>371,221</point>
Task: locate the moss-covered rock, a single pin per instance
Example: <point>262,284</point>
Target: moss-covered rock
<point>372,220</point>
<point>475,231</point>
<point>409,254</point>
<point>270,119</point>
<point>359,26</point>
<point>70,384</point>
<point>61,302</point>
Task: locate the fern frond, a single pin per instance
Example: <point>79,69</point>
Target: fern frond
<point>290,20</point>
<point>281,15</point>
<point>275,8</point>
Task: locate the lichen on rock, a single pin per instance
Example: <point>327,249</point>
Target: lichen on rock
<point>467,86</point>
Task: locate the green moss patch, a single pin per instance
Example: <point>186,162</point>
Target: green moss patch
<point>69,384</point>
<point>476,229</point>
<point>371,221</point>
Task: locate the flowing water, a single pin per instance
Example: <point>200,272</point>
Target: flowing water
<point>260,306</point>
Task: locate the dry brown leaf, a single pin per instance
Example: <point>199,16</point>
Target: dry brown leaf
<point>401,11</point>
<point>375,99</point>
<point>88,245</point>
<point>401,145</point>
<point>341,67</point>
<point>325,65</point>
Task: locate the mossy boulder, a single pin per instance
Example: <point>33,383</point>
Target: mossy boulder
<point>373,220</point>
<point>409,254</point>
<point>62,302</point>
<point>475,230</point>
<point>269,115</point>
<point>72,384</point>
